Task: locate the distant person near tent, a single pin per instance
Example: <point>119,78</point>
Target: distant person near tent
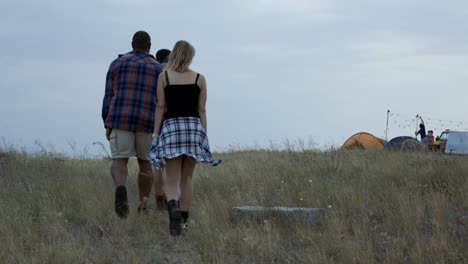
<point>422,132</point>
<point>430,140</point>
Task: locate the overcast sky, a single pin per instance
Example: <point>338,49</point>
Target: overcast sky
<point>275,69</point>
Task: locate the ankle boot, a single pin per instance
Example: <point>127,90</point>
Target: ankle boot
<point>161,202</point>
<point>143,207</point>
<point>121,202</point>
<point>185,216</point>
<point>175,218</point>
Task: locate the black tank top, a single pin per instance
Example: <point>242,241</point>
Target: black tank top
<point>181,99</point>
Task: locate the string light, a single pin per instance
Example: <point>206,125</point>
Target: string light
<point>405,122</point>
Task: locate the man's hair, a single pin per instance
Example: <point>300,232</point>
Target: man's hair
<point>162,55</point>
<point>181,56</point>
<point>141,40</point>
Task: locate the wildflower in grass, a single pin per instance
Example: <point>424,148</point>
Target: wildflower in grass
<point>300,195</point>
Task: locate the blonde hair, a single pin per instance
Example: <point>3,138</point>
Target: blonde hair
<point>181,56</point>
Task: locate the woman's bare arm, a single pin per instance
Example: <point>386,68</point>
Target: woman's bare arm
<point>161,105</point>
<point>202,102</point>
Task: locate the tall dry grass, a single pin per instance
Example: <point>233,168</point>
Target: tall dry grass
<point>380,208</point>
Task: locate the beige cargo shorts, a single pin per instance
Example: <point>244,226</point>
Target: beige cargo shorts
<point>127,144</point>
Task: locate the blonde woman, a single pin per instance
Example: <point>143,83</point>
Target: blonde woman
<point>181,142</point>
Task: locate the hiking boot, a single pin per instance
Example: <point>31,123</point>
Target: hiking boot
<point>143,207</point>
<point>215,163</point>
<point>185,216</point>
<point>175,218</point>
<point>175,224</point>
<point>121,202</point>
<point>161,202</point>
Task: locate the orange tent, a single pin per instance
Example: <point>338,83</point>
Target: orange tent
<point>365,141</point>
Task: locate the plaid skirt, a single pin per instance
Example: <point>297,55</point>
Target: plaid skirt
<point>181,136</point>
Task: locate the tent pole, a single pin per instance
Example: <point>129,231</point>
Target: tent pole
<point>417,116</point>
<point>386,127</point>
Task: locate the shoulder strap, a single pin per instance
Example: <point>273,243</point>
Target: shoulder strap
<point>167,78</point>
<point>196,80</point>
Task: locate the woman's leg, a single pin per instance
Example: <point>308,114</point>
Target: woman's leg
<point>158,189</point>
<point>158,182</point>
<point>172,178</point>
<point>145,182</point>
<point>188,166</point>
<point>171,186</point>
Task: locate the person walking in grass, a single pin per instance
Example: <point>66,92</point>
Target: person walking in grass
<point>128,114</point>
<point>422,132</point>
<point>181,140</point>
<point>162,56</point>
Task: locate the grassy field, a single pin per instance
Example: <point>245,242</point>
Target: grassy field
<point>380,208</point>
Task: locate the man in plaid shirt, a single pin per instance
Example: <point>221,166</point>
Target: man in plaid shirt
<point>128,112</point>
